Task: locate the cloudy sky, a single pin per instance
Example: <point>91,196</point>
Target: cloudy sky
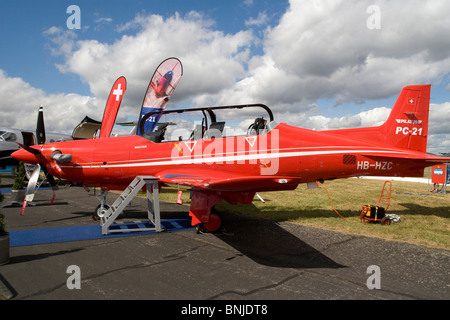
<point>318,64</point>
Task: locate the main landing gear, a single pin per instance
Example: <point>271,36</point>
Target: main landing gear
<point>203,212</point>
<point>214,225</point>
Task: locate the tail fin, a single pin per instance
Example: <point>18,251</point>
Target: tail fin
<point>407,125</point>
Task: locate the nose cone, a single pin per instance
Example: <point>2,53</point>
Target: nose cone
<point>25,156</point>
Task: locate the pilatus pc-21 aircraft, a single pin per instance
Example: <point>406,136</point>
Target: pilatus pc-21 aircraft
<point>269,156</point>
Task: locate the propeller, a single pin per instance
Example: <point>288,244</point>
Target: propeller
<point>32,183</point>
<point>40,137</point>
<point>34,156</point>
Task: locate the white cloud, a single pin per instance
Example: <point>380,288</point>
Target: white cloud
<point>63,41</point>
<point>103,20</point>
<point>439,133</point>
<point>319,49</point>
<point>212,60</point>
<point>371,118</point>
<point>324,49</point>
<point>258,21</point>
<point>62,112</point>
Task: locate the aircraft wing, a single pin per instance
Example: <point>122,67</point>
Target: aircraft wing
<point>224,181</point>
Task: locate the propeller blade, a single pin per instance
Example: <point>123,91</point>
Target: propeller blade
<point>32,183</point>
<point>29,149</point>
<point>40,135</point>
<point>40,127</point>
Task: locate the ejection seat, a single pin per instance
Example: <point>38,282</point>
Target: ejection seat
<point>157,135</point>
<point>257,127</point>
<point>215,130</point>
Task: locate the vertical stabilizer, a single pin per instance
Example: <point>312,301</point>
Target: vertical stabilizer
<point>407,125</point>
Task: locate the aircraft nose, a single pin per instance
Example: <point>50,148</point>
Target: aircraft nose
<point>25,156</point>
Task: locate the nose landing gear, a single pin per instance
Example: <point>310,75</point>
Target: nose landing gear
<point>102,207</point>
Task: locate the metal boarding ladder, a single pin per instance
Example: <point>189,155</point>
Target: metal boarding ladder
<point>107,219</point>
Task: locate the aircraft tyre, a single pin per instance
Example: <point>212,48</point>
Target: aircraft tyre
<point>99,212</point>
<point>215,223</point>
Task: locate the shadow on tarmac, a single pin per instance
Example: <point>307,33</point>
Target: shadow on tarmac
<point>266,243</point>
<point>39,256</point>
<point>261,240</point>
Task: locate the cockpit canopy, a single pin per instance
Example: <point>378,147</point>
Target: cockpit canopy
<point>203,123</point>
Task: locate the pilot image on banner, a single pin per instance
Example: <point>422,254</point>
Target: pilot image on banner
<point>161,87</point>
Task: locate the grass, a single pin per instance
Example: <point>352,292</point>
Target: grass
<point>424,216</point>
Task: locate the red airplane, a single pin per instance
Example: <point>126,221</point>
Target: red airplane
<point>161,85</point>
<point>271,156</point>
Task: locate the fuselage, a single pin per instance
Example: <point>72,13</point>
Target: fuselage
<point>287,151</point>
<point>268,157</point>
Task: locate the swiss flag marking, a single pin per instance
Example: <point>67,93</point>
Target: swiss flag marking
<point>411,101</point>
<point>118,92</point>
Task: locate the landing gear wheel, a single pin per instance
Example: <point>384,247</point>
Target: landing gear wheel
<point>99,212</point>
<point>213,225</point>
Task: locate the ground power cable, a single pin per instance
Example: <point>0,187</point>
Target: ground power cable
<point>332,205</point>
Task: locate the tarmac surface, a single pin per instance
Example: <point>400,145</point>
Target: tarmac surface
<point>254,260</point>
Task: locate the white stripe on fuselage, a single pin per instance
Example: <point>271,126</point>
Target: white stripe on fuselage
<point>198,159</point>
